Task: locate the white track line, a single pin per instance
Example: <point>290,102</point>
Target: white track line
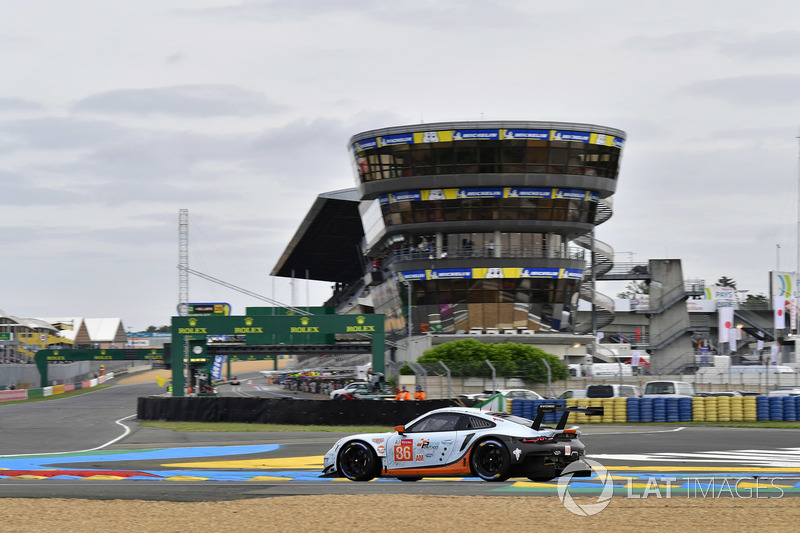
<point>109,443</point>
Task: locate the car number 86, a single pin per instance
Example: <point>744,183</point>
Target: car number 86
<point>404,452</point>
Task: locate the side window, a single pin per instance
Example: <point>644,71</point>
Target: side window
<point>437,422</point>
<point>473,422</point>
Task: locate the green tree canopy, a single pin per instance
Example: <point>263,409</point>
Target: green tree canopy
<point>468,357</point>
<point>634,288</point>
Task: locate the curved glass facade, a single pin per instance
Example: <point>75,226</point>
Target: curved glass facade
<point>509,203</point>
<point>485,246</point>
<point>489,151</point>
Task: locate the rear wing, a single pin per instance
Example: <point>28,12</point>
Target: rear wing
<point>552,408</point>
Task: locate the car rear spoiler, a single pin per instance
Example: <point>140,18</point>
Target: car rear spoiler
<point>552,408</point>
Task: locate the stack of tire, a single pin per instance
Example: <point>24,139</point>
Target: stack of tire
<point>620,410</point>
<point>775,408</point>
<point>698,409</point>
<point>789,409</point>
<point>685,409</point>
<point>632,409</point>
<point>659,409</point>
<point>762,408</point>
<point>646,410</point>
<point>723,408</point>
<point>737,408</point>
<point>712,414</point>
<point>672,409</point>
<point>750,408</point>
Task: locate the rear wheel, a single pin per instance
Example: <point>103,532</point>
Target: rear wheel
<point>491,461</point>
<point>358,462</point>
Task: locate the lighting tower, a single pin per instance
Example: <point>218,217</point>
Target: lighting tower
<point>183,262</point>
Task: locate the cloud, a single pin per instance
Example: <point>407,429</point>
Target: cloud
<point>441,14</point>
<point>785,44</point>
<point>187,101</point>
<point>18,104</point>
<point>763,89</point>
<point>673,42</point>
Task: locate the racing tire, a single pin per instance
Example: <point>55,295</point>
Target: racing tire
<point>358,462</point>
<point>491,461</point>
<point>409,478</point>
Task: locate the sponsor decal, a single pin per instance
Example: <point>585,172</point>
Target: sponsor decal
<point>400,138</point>
<point>471,135</point>
<point>540,135</point>
<point>575,136</point>
<point>453,273</point>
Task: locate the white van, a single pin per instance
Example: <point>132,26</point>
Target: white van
<point>668,389</point>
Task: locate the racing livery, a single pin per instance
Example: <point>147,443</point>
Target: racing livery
<point>463,441</point>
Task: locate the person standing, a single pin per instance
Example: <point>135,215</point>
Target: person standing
<point>403,395</point>
<point>420,394</point>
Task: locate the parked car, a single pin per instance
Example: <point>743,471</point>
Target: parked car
<point>520,394</point>
<point>612,390</point>
<point>572,393</point>
<point>350,388</point>
<point>463,441</point>
<point>785,391</point>
<point>668,389</point>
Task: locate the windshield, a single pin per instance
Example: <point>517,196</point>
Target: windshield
<point>660,387</point>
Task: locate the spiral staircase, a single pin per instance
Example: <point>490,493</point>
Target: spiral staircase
<point>601,260</point>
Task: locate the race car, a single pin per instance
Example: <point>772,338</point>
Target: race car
<point>464,442</point>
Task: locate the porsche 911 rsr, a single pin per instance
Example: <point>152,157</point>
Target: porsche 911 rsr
<point>462,442</point>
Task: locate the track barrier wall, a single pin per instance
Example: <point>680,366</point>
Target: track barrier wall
<point>284,411</point>
<point>30,394</point>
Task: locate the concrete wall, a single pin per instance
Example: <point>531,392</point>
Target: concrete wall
<point>667,281</point>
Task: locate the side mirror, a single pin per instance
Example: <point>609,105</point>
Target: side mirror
<point>400,429</point>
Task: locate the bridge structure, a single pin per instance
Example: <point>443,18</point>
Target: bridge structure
<point>258,337</point>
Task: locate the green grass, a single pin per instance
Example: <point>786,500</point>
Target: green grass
<point>59,396</point>
<point>246,427</point>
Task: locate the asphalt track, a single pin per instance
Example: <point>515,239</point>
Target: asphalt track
<point>90,446</point>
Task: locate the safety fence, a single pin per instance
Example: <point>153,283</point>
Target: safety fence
<point>29,394</point>
<point>697,409</point>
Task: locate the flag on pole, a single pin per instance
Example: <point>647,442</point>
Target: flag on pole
<point>773,352</point>
<point>779,310</point>
<point>725,315</point>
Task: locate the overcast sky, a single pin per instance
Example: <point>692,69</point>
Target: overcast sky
<point>116,115</point>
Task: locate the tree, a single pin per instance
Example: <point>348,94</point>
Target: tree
<point>725,281</point>
<point>758,301</point>
<point>634,288</point>
<point>468,357</point>
<point>151,329</point>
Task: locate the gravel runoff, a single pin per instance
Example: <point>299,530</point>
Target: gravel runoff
<point>365,513</point>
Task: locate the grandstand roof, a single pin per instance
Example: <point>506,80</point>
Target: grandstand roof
<point>326,245</point>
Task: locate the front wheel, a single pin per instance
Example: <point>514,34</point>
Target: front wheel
<point>358,462</point>
<point>491,461</point>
